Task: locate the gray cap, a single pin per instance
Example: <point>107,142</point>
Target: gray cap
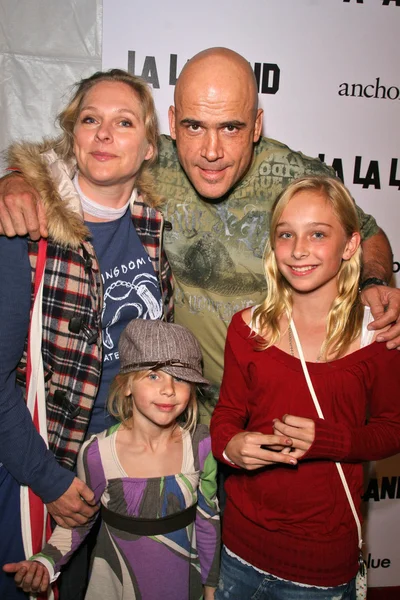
<point>146,344</point>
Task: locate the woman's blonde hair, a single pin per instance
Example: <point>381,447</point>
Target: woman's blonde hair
<point>120,405</point>
<point>68,118</point>
<point>346,313</point>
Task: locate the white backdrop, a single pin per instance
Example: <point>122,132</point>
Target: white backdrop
<point>45,46</point>
<point>332,87</point>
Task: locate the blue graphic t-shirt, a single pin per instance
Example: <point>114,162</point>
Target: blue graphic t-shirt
<point>131,291</point>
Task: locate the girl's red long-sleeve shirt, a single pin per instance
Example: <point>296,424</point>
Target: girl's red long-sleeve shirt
<point>296,522</point>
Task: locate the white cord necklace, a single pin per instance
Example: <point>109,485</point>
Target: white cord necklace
<point>90,207</point>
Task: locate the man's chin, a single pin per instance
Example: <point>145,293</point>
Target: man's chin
<point>212,192</point>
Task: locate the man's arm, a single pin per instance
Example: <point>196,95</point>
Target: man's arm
<point>22,450</point>
<point>383,300</point>
<point>377,257</point>
<point>21,211</point>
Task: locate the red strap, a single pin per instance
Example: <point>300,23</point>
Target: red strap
<point>39,274</point>
<point>36,506</point>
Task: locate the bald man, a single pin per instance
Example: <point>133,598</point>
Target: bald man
<point>220,179</point>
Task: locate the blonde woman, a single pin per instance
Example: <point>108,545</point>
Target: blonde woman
<point>289,531</point>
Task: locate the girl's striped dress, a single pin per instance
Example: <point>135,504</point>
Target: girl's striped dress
<point>173,566</point>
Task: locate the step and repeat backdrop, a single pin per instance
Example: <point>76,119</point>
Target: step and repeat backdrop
<point>329,83</point>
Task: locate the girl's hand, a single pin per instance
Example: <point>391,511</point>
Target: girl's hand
<point>30,575</point>
<point>300,429</point>
<point>253,450</point>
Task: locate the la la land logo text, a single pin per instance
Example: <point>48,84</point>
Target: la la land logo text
<point>367,174</point>
<point>267,74</point>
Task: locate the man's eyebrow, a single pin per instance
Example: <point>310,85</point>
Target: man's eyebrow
<point>234,123</point>
<point>188,121</point>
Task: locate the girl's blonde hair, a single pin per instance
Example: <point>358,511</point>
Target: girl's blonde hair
<point>346,313</point>
<point>68,118</point>
<point>120,405</point>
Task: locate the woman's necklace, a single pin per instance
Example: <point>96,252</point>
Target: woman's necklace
<point>320,354</point>
<point>90,207</point>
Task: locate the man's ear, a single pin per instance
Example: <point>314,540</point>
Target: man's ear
<point>171,119</point>
<point>258,125</point>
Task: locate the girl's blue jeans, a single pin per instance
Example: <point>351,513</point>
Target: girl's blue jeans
<point>242,582</point>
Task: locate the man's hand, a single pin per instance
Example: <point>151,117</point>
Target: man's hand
<point>30,575</point>
<point>246,450</point>
<point>385,307</point>
<point>74,507</point>
<point>21,210</point>
<point>299,429</point>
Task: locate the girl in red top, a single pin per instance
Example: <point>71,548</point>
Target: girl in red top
<point>288,529</point>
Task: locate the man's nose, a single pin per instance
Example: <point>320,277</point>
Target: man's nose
<point>212,149</point>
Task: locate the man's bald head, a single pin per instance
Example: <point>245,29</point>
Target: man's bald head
<point>216,120</point>
<point>218,67</point>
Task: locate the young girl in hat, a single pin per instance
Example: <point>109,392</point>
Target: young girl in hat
<point>289,527</point>
<point>155,477</point>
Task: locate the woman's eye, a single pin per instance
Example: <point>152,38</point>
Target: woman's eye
<point>126,123</point>
<point>88,120</point>
<point>285,235</point>
<point>319,235</point>
<point>153,376</point>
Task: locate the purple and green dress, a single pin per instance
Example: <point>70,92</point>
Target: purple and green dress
<point>169,566</point>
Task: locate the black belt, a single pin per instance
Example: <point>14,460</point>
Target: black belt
<point>140,526</point>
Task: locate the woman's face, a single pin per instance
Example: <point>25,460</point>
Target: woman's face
<point>110,141</point>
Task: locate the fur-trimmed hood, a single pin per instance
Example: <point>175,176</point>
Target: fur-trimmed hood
<point>52,178</point>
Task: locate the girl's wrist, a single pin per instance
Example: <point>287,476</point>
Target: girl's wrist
<point>226,457</point>
<point>209,592</point>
